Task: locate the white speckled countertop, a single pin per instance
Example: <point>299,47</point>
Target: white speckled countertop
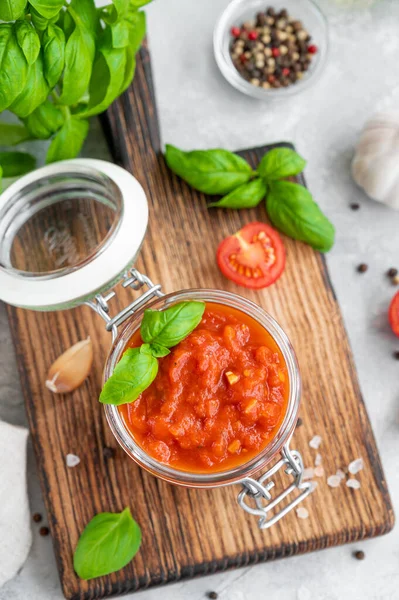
<point>197,108</point>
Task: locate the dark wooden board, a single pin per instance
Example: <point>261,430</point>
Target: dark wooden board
<point>194,532</point>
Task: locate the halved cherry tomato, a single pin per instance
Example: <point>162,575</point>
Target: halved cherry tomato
<point>393,314</point>
<point>254,257</point>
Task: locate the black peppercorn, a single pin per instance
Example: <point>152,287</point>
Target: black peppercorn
<point>37,517</point>
<point>260,19</point>
<point>359,555</point>
<point>392,272</point>
<point>362,268</point>
<point>108,452</point>
<point>44,531</point>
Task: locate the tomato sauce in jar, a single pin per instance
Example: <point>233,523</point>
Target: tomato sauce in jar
<point>218,399</point>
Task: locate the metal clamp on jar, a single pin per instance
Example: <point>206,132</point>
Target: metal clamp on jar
<point>47,210</point>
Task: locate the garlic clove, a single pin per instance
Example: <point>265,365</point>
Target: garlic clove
<point>70,369</point>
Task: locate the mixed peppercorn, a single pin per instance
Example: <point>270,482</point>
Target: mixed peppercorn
<point>272,51</point>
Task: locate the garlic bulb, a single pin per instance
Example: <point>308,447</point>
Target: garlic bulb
<point>71,368</point>
<point>375,167</point>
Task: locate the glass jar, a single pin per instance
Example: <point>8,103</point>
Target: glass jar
<point>47,207</point>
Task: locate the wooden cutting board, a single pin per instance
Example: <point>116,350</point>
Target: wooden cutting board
<point>189,532</point>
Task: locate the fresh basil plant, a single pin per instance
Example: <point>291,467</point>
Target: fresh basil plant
<point>138,367</point>
<point>61,63</point>
<point>290,206</point>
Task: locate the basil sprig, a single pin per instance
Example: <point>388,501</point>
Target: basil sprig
<point>290,206</point>
<point>107,544</point>
<point>138,367</point>
<point>63,62</point>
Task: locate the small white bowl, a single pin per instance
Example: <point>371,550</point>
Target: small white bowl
<point>239,11</point>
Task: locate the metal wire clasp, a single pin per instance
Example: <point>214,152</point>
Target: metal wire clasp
<point>258,490</point>
<point>135,280</point>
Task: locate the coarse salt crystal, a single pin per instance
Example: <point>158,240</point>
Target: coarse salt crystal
<point>319,471</point>
<point>334,481</point>
<point>315,442</point>
<point>356,466</point>
<point>317,460</point>
<point>308,473</point>
<point>302,512</point>
<point>353,483</point>
<point>72,460</point>
<point>340,474</point>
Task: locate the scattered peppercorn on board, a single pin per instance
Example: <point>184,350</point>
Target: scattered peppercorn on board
<point>194,532</point>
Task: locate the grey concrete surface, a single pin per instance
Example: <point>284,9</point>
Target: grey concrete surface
<point>199,109</point>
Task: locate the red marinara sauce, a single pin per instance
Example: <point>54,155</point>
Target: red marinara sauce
<point>218,399</point>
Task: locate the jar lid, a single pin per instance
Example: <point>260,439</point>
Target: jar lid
<point>67,232</point>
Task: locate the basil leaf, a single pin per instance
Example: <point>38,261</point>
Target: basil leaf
<point>15,164</point>
<point>53,54</point>
<point>13,66</point>
<point>247,195</point>
<point>10,10</point>
<point>47,8</point>
<point>40,22</point>
<point>137,29</point>
<point>84,14</point>
<point>107,76</point>
<point>28,40</point>
<point>11,135</point>
<point>136,35</point>
<point>279,163</point>
<point>35,91</point>
<point>121,6</point>
<point>133,374</point>
<point>79,52</point>
<point>130,68</point>
<point>107,544</point>
<point>68,142</point>
<point>293,211</point>
<point>155,350</point>
<point>169,327</point>
<point>44,121</point>
<point>66,23</point>
<point>209,171</point>
<point>139,3</point>
<point>120,34</point>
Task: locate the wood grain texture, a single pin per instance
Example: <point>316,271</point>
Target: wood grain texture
<point>194,532</point>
